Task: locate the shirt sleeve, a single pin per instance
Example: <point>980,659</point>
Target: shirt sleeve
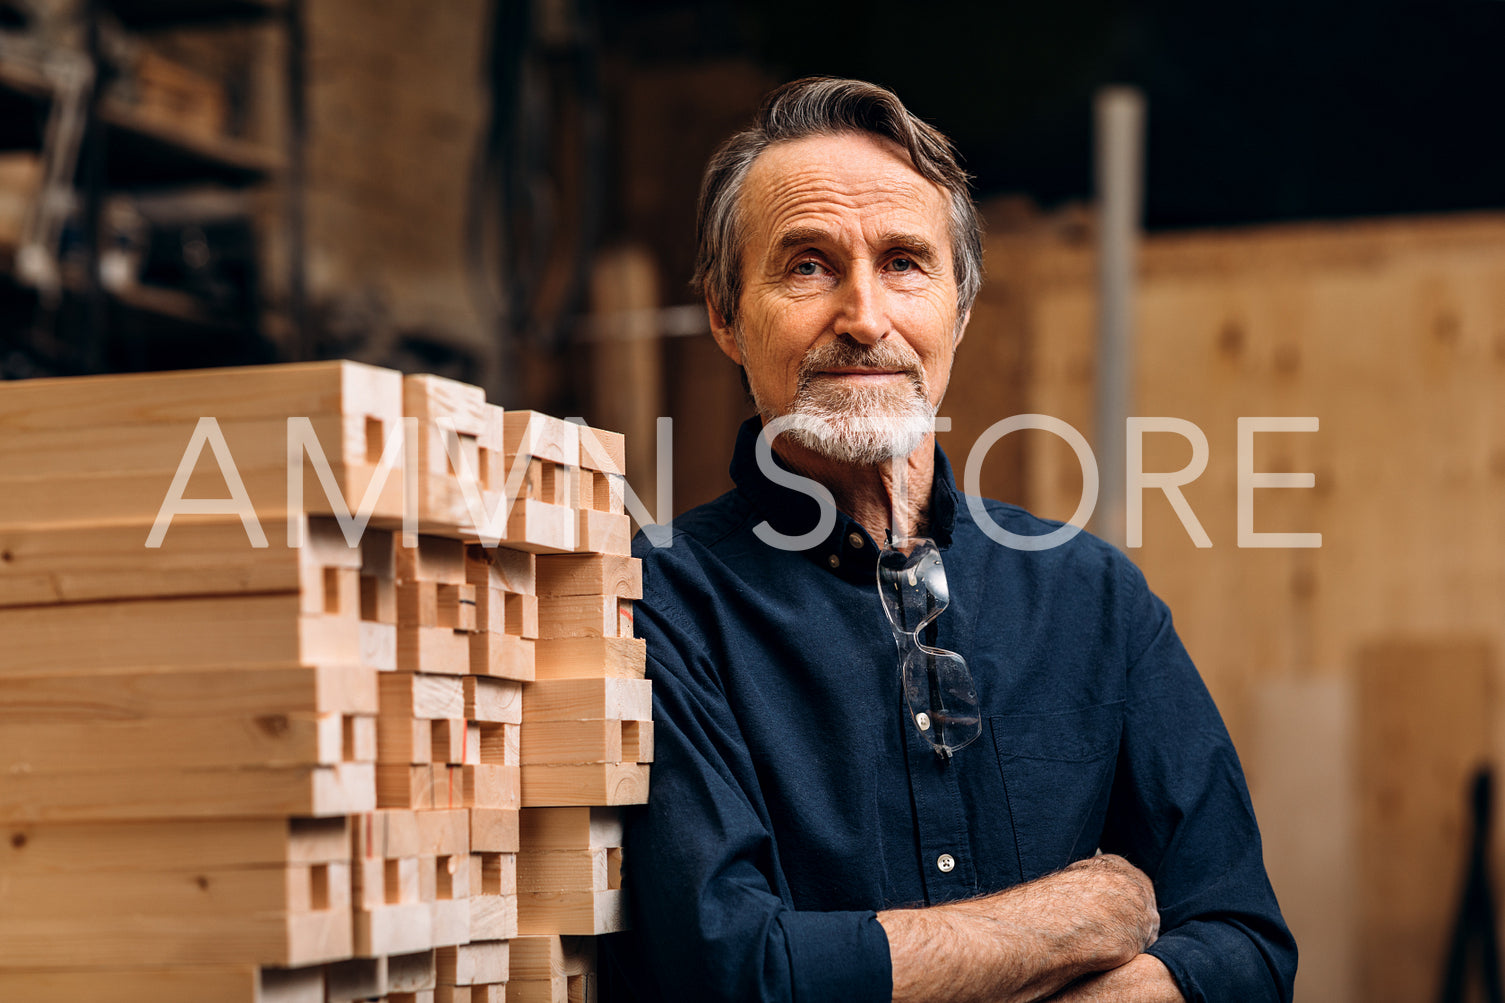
<point>710,913</point>
<point>1180,810</point>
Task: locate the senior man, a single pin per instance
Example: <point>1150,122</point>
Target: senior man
<point>895,758</point>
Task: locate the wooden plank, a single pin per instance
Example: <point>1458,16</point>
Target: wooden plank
<point>202,555</point>
<point>424,695</point>
<point>260,740</point>
<point>404,741</point>
<point>605,533</point>
<point>202,892</point>
<point>502,656</point>
<point>602,450</point>
<point>1424,713</point>
<point>500,568</point>
<point>569,870</point>
<point>493,700</point>
<point>590,658</point>
<point>540,957</point>
<point>137,496</point>
<point>187,792</point>
<point>93,941</point>
<point>590,784</point>
<point>572,742</point>
<point>162,846</point>
<point>444,833</point>
<point>404,786</point>
<point>586,913</point>
<point>588,700</point>
<point>497,744</point>
<point>493,873</point>
<point>472,964</point>
<point>386,834</point>
<point>127,695</point>
<point>532,433</point>
<point>577,828</point>
<point>247,392</point>
<point>488,786</point>
<point>435,559</point>
<point>402,928</point>
<point>578,616</point>
<point>494,830</point>
<point>244,983</point>
<point>493,917</point>
<point>107,637</point>
<point>590,575</point>
<point>433,650</point>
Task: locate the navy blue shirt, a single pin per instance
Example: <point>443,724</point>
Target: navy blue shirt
<point>792,796</point>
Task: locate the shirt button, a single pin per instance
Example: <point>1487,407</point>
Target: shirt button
<point>855,539</point>
<point>945,863</point>
<point>834,561</point>
<point>922,721</point>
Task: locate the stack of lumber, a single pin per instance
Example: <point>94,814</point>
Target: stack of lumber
<point>282,756</point>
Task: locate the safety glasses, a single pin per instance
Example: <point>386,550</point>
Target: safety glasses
<point>938,685</point>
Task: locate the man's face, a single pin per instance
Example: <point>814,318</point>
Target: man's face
<point>849,295</point>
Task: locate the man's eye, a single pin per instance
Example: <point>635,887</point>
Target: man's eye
<point>902,264</point>
<point>806,268</point>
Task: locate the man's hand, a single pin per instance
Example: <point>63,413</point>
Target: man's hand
<point>1027,942</point>
<point>1143,980</point>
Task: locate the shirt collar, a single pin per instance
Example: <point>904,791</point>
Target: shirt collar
<point>846,549</point>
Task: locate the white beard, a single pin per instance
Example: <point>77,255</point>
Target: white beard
<point>866,426</point>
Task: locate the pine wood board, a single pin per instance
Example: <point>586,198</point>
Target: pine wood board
<point>493,873</point>
<point>247,392</point>
<point>241,741</point>
<point>440,650</point>
<point>502,656</point>
<point>494,830</point>
<point>532,433</point>
<point>601,450</point>
<point>588,700</point>
<point>188,983</point>
<point>137,695</point>
<point>90,941</point>
<point>187,792</point>
<point>573,828</point>
<point>497,744</point>
<point>569,870</point>
<point>500,568</point>
<point>106,637</point>
<point>562,742</point>
<point>590,658</point>
<point>586,914</point>
<point>590,784</point>
<point>537,957</point>
<point>138,496</point>
<point>471,964</point>
<point>590,575</point>
<point>175,845</point>
<point>201,555</point>
<point>604,533</point>
<point>422,695</point>
<point>493,700</point>
<point>403,928</point>
<point>224,892</point>
<point>493,917</point>
<point>436,559</point>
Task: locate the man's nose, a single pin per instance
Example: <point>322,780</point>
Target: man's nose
<point>863,315</point>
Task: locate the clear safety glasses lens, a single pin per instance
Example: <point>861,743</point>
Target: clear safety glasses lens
<point>937,684</point>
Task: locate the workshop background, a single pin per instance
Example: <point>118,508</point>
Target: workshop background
<point>503,192</point>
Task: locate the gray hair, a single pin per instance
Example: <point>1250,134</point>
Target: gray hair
<point>825,106</point>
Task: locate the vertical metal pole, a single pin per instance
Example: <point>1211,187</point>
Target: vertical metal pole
<point>1120,118</point>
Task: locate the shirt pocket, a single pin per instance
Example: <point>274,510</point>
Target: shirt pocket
<point>1057,773</point>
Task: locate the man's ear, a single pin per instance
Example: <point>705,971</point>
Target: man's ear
<point>961,329</point>
<point>722,332</point>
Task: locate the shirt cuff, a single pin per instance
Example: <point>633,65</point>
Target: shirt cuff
<point>838,956</point>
